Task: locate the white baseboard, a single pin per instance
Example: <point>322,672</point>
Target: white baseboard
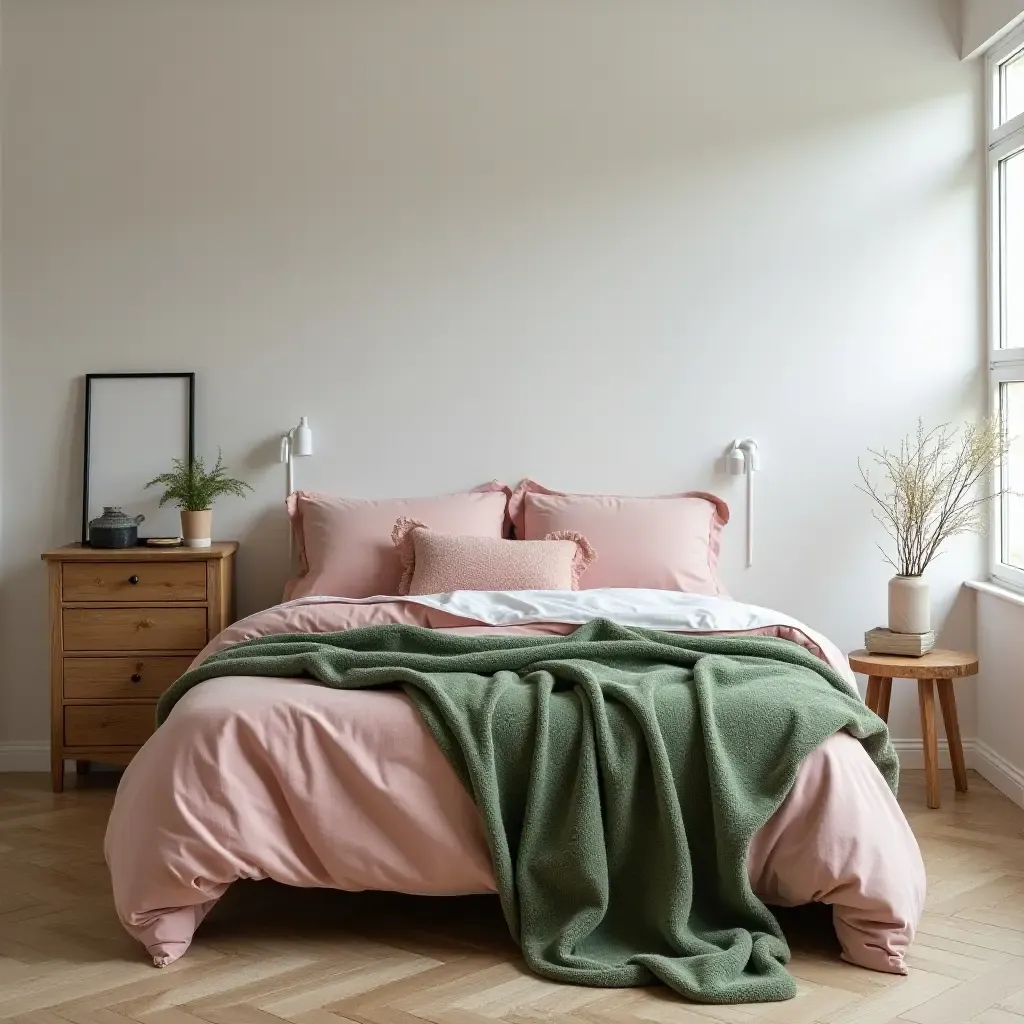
<point>1006,777</point>
<point>991,766</point>
<point>911,753</point>
<point>27,758</point>
<point>16,756</point>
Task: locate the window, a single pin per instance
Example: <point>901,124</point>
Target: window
<point>1011,88</point>
<point>1011,198</point>
<point>1011,407</point>
<point>1005,83</point>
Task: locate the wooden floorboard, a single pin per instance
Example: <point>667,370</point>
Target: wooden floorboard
<point>269,954</point>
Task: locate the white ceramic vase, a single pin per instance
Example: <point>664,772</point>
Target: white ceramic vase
<point>196,528</point>
<point>909,605</point>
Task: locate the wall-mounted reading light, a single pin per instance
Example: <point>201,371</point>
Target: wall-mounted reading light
<point>298,442</point>
<point>744,458</point>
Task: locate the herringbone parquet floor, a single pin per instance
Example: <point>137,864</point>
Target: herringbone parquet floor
<point>270,954</point>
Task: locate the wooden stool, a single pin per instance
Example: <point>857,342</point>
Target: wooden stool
<point>940,667</point>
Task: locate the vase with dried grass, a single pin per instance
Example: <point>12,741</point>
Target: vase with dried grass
<point>935,486</point>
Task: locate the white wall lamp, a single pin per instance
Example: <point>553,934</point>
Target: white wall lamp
<point>743,458</point>
<point>297,443</point>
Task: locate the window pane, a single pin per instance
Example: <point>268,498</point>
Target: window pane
<point>1012,269</point>
<point>1012,76</point>
<point>1011,401</point>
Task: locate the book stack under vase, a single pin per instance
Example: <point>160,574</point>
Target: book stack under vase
<point>912,645</point>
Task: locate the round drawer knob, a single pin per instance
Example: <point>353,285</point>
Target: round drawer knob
<point>136,678</point>
<point>133,580</point>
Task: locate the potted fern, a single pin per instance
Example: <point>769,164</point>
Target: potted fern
<point>194,490</point>
<point>937,485</point>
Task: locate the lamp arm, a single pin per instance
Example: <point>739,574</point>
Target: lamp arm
<point>750,518</point>
<point>298,437</point>
<point>750,462</point>
<point>289,463</point>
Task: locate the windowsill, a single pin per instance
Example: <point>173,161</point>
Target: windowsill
<point>997,590</point>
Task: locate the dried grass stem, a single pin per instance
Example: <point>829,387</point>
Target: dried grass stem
<point>930,487</point>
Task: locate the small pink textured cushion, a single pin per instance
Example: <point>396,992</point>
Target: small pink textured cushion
<point>661,543</point>
<point>438,563</point>
<point>345,547</point>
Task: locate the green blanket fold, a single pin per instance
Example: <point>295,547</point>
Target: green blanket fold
<point>621,774</point>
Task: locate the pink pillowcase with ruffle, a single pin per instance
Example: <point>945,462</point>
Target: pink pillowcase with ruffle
<point>344,544</point>
<point>438,563</point>
<point>662,543</point>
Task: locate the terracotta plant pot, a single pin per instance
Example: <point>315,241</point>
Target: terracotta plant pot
<point>196,528</point>
<point>909,605</point>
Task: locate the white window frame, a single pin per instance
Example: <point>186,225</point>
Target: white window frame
<point>1005,364</point>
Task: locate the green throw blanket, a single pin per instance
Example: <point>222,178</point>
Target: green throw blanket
<point>621,774</point>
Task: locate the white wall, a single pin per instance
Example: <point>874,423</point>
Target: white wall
<point>1000,687</point>
<point>590,241</point>
<point>985,21</point>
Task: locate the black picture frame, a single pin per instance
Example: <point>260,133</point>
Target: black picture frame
<point>89,378</point>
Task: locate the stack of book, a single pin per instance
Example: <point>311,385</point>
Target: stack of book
<point>884,641</point>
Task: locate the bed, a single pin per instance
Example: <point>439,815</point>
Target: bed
<point>257,778</point>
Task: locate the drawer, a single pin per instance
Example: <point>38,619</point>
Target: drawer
<point>134,581</point>
<point>134,629</point>
<point>120,678</point>
<point>109,725</point>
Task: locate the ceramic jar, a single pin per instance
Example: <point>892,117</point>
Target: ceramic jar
<point>909,605</point>
<point>114,529</point>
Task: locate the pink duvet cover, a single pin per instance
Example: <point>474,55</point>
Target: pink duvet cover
<point>279,778</point>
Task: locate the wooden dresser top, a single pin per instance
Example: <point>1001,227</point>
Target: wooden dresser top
<point>140,553</point>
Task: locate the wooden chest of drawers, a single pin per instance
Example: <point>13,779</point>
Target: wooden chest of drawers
<point>124,624</point>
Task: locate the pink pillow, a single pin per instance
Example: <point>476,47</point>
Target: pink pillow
<point>345,546</point>
<point>662,543</point>
<point>437,563</point>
